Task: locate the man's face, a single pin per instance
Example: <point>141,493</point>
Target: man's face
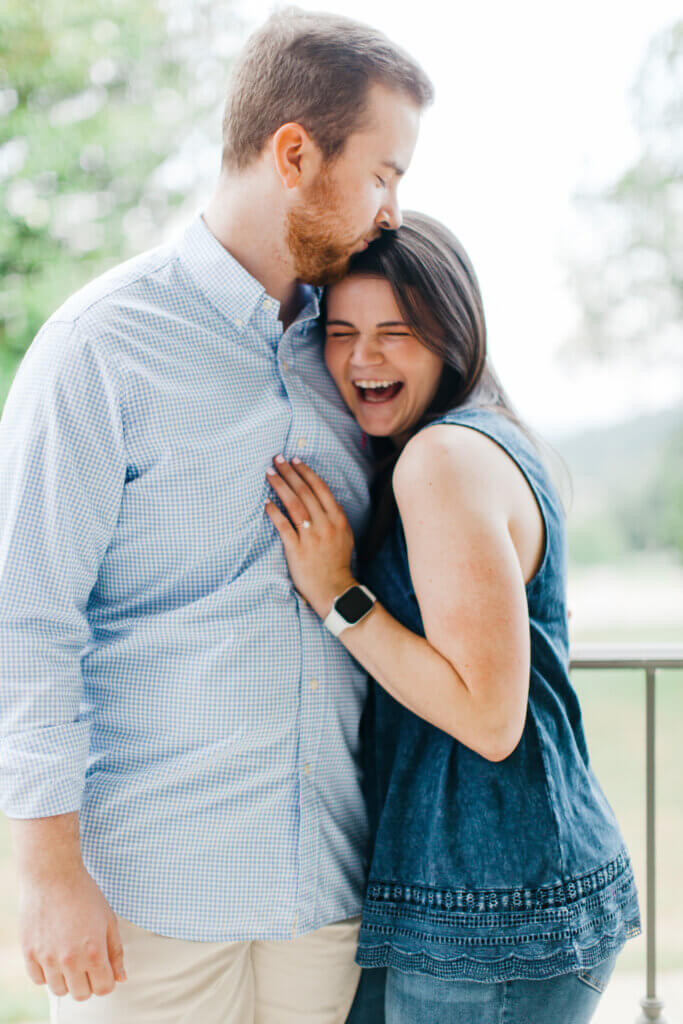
<point>354,197</point>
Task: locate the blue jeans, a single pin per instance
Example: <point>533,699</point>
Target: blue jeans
<point>388,996</point>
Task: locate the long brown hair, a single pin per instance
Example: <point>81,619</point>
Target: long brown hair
<point>437,292</point>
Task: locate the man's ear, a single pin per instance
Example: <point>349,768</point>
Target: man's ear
<point>296,157</point>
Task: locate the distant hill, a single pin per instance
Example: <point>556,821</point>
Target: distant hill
<point>612,455</point>
<point>627,484</point>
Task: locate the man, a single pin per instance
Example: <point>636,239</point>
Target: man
<point>179,732</point>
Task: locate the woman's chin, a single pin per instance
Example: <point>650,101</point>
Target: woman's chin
<point>373,425</point>
<point>378,416</point>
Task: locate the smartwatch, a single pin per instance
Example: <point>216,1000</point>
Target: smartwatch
<point>349,608</point>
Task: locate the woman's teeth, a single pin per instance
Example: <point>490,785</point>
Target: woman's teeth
<point>378,390</point>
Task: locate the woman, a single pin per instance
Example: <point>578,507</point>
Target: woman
<point>499,887</point>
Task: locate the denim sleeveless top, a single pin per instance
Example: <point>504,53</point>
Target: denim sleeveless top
<point>481,870</point>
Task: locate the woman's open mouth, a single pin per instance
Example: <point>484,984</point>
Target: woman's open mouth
<point>376,392</point>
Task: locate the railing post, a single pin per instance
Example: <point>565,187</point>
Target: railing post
<point>652,1006</point>
<point>650,658</point>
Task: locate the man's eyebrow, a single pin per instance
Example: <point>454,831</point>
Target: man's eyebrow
<point>344,323</point>
<point>394,167</point>
<point>393,323</point>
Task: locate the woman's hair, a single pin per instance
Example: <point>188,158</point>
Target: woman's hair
<point>437,292</point>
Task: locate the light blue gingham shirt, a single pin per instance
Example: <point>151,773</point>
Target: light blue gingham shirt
<point>159,673</point>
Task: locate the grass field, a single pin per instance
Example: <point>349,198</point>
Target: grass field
<point>614,712</point>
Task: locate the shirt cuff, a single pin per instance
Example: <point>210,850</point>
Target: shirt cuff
<point>42,772</point>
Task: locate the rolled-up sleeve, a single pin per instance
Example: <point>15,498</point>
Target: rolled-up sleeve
<point>62,473</point>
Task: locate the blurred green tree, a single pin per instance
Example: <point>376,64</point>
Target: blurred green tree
<point>109,116</point>
<point>630,291</point>
<point>652,519</point>
<point>630,295</point>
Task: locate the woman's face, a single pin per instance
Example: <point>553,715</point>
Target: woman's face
<point>368,343</point>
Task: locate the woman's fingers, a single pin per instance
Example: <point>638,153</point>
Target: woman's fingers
<point>317,486</point>
<point>281,523</point>
<point>313,493</point>
<point>301,502</point>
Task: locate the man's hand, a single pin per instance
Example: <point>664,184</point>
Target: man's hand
<point>70,937</point>
<point>69,933</point>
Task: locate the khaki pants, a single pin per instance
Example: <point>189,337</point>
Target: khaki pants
<point>170,981</point>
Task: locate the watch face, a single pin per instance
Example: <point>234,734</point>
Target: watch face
<point>353,605</point>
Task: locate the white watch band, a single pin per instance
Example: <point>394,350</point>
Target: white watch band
<point>336,623</point>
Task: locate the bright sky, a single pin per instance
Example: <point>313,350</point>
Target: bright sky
<point>531,104</point>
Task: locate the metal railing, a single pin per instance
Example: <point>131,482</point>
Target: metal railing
<point>650,658</point>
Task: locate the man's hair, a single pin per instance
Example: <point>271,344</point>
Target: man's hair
<point>314,69</point>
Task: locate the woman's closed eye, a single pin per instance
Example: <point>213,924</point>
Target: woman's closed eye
<point>383,334</point>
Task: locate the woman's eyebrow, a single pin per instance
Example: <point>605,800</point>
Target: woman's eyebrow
<point>384,323</point>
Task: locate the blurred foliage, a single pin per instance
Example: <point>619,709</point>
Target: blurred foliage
<point>630,289</point>
<point>105,109</point>
<point>653,517</point>
<point>630,293</point>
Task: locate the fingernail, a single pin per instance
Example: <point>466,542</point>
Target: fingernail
<point>270,471</point>
<point>296,459</point>
<point>280,458</point>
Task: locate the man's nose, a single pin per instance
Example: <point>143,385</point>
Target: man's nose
<point>390,217</point>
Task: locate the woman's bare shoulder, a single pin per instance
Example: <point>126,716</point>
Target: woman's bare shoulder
<point>452,456</point>
<point>467,473</point>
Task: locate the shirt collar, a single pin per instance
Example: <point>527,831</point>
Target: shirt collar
<point>226,283</point>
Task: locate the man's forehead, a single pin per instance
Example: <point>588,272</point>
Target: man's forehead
<point>391,121</point>
<point>389,141</point>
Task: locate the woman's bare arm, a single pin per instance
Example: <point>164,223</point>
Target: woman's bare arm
<point>469,675</point>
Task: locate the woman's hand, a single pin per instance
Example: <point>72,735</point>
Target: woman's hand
<point>317,538</point>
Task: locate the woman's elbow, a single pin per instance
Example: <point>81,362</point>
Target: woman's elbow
<point>499,743</point>
<point>499,752</point>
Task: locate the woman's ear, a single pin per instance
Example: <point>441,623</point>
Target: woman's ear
<point>296,157</point>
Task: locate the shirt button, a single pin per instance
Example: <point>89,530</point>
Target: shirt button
<point>296,917</point>
<point>285,365</point>
<point>239,323</point>
<point>301,442</point>
<point>307,769</point>
<point>313,684</point>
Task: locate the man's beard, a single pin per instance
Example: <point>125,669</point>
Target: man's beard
<point>313,236</point>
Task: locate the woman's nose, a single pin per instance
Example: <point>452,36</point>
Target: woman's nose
<point>366,352</point>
